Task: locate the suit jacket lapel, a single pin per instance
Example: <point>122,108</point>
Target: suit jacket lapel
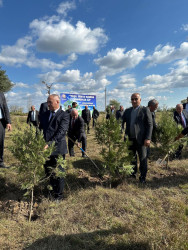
<point>139,109</point>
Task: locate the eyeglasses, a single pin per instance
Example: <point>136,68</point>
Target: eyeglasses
<point>134,99</point>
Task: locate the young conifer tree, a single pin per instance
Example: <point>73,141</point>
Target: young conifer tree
<point>167,130</point>
<point>28,148</point>
<point>114,151</point>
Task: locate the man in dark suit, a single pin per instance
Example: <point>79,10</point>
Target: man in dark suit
<point>119,117</point>
<point>43,109</point>
<point>153,105</point>
<point>95,115</point>
<point>180,117</point>
<point>54,124</point>
<point>86,115</point>
<point>33,117</point>
<point>185,105</point>
<point>110,111</point>
<point>76,132</point>
<point>139,130</point>
<point>5,122</point>
<point>69,109</point>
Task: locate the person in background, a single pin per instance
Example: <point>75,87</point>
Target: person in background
<point>86,115</point>
<point>153,105</point>
<point>74,105</point>
<point>180,117</point>
<point>33,117</point>
<point>119,117</point>
<point>110,112</point>
<point>55,123</point>
<point>185,105</point>
<point>69,109</point>
<point>139,127</point>
<point>76,132</point>
<point>95,115</point>
<point>5,122</point>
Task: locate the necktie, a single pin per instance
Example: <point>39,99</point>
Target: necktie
<point>73,121</point>
<point>51,116</point>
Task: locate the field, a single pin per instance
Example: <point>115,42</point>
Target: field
<point>93,216</point>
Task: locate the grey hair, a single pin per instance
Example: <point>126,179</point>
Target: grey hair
<point>152,102</point>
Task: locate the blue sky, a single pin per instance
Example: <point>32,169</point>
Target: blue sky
<point>83,46</point>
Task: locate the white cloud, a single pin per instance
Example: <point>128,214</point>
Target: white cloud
<point>117,60</point>
<point>176,78</point>
<point>1,3</point>
<point>21,85</point>
<point>185,27</point>
<point>63,38</point>
<point>71,58</point>
<point>167,54</point>
<point>20,54</point>
<point>74,81</point>
<point>158,98</point>
<point>16,54</point>
<point>126,81</point>
<point>64,7</point>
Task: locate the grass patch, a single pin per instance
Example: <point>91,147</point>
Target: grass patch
<point>92,216</point>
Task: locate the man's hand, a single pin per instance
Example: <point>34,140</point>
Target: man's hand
<point>9,127</point>
<point>46,146</point>
<point>79,144</point>
<point>147,143</point>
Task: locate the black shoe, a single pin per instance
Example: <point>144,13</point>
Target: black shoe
<point>58,197</point>
<point>2,165</point>
<point>72,155</point>
<point>142,179</point>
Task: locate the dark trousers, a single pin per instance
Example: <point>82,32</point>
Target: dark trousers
<point>86,126</point>
<point>2,138</point>
<point>34,123</point>
<point>57,183</point>
<point>142,154</point>
<point>71,143</point>
<point>94,122</point>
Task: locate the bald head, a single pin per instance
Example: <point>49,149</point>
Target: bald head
<point>179,108</point>
<point>53,102</point>
<point>74,114</point>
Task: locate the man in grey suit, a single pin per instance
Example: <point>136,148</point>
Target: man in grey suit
<point>139,130</point>
<point>4,123</point>
<point>55,123</point>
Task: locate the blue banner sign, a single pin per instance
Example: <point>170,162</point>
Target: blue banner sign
<point>82,101</point>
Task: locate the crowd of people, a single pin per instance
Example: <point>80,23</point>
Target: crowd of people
<point>56,124</point>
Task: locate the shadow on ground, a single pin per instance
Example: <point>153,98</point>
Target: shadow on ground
<point>9,190</point>
<point>95,240</point>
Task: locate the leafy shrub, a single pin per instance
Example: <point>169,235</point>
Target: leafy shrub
<point>114,151</point>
